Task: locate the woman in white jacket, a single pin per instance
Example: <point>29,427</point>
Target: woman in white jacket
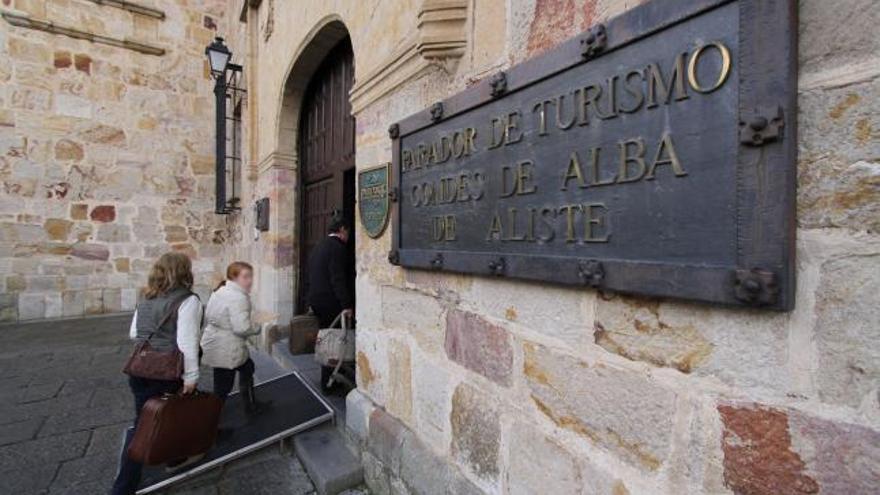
<point>228,325</point>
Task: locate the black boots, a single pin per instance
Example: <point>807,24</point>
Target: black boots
<point>251,405</point>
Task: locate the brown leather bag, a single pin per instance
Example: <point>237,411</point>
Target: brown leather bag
<point>146,362</point>
<point>303,334</point>
<point>174,427</point>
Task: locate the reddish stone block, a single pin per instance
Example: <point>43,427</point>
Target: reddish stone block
<point>90,251</point>
<point>62,60</point>
<point>479,346</point>
<point>103,213</point>
<point>758,458</point>
<point>83,63</point>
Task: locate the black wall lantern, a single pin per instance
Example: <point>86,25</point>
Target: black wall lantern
<point>226,80</point>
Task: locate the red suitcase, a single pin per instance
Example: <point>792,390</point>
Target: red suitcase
<point>174,427</point>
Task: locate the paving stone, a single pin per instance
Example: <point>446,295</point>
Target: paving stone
<point>330,464</point>
<point>107,440</point>
<point>44,451</point>
<point>19,432</point>
<point>83,472</point>
<point>33,480</point>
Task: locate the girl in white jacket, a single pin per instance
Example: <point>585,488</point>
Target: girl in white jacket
<point>228,325</point>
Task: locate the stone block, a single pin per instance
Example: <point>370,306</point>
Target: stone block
<point>43,283</point>
<point>65,149</point>
<point>54,305</point>
<point>62,60</point>
<point>112,300</point>
<point>837,159</point>
<point>88,251</point>
<point>422,470</point>
<point>561,313</point>
<point>625,412</point>
<point>632,327</point>
<point>476,432</point>
<point>417,314</point>
<point>83,63</point>
<point>31,306</point>
<point>114,233</point>
<point>539,464</point>
<point>93,301</point>
<point>376,475</point>
<point>15,283</point>
<point>386,437</point>
<point>73,106</point>
<point>57,229</point>
<point>129,298</point>
<point>835,34</point>
<point>103,213</point>
<point>27,51</point>
<point>8,307</point>
<point>123,265</point>
<point>79,211</point>
<point>781,451</point>
<point>480,346</point>
<point>73,302</point>
<point>399,381</point>
<point>433,386</point>
<point>358,410</point>
<point>846,329</point>
<point>331,466</point>
<point>104,134</point>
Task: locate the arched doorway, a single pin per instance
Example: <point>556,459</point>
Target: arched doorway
<point>326,149</point>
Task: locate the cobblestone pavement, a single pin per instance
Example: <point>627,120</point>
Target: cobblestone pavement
<point>64,404</point>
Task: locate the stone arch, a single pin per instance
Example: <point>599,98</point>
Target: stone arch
<point>314,48</point>
<point>284,171</point>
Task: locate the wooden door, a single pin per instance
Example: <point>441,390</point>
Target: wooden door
<point>326,150</point>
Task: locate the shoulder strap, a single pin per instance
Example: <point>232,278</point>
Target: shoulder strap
<point>172,312</point>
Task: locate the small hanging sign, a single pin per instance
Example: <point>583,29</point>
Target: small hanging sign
<point>373,201</point>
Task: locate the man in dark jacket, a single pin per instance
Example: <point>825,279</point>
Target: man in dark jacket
<point>330,290</point>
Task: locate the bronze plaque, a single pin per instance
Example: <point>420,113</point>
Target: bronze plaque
<point>653,154</point>
<point>373,199</point>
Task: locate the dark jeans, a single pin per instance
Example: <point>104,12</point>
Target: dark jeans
<point>224,378</point>
<point>129,476</point>
<point>326,313</point>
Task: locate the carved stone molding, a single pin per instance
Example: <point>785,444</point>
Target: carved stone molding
<point>132,7</point>
<point>51,27</point>
<point>440,38</point>
<point>276,160</point>
<point>442,29</point>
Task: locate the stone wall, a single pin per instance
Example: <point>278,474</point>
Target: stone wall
<point>477,385</point>
<point>106,153</point>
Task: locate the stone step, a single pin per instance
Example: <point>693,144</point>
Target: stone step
<point>331,466</point>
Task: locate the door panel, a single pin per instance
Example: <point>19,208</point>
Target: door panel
<point>326,150</point>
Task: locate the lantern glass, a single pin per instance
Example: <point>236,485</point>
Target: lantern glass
<point>218,56</point>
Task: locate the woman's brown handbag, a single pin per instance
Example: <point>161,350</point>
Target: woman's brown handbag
<point>146,362</point>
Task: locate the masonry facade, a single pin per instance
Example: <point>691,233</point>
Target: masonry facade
<point>106,151</point>
<point>471,384</point>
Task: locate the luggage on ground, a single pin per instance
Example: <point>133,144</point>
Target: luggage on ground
<point>303,334</point>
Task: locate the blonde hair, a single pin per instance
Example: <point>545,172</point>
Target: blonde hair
<point>234,270</point>
<point>171,270</point>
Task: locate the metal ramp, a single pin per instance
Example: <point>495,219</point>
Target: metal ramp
<point>295,407</point>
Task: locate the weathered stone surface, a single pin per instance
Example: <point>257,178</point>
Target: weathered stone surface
<point>846,329</point>
<point>90,251</point>
<point>66,149</point>
<point>479,345</point>
<point>539,464</point>
<point>415,313</point>
<point>58,229</point>
<point>841,457</point>
<point>476,432</point>
<point>113,233</point>
<point>432,402</point>
<point>79,211</point>
<point>358,409</point>
<point>386,438</point>
<point>399,381</point>
<point>632,328</point>
<point>8,307</point>
<point>622,411</point>
<point>758,456</point>
<point>103,213</point>
<point>103,134</point>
